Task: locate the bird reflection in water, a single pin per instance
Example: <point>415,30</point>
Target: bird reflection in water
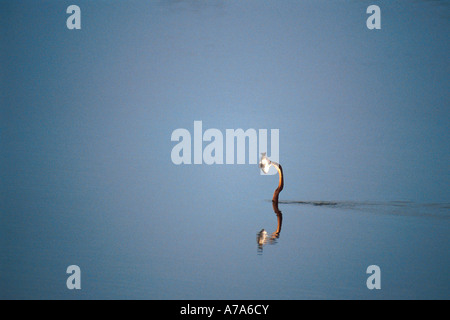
<point>263,237</point>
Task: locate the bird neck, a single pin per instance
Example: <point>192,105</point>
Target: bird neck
<point>280,182</point>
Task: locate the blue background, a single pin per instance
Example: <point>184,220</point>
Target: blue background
<point>86,176</point>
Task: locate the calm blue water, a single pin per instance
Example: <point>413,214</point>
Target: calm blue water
<point>209,250</point>
<point>86,176</point>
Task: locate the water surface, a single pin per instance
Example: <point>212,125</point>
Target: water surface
<point>86,176</point>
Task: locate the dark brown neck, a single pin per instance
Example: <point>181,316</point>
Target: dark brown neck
<point>280,183</point>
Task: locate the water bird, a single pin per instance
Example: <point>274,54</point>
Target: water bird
<point>265,164</point>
